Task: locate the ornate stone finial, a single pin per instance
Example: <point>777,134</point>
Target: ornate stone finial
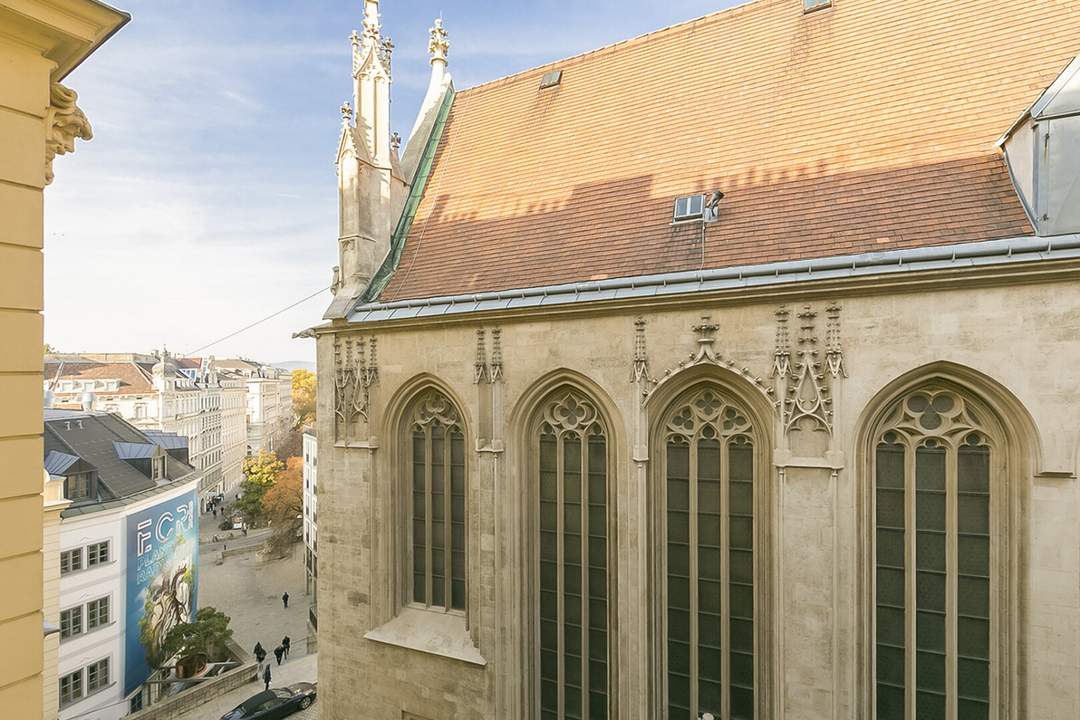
<point>706,331</point>
<point>439,45</point>
<point>480,368</point>
<point>395,142</point>
<point>64,122</point>
<point>371,374</point>
<point>834,352</point>
<point>346,112</point>
<point>496,371</point>
<point>372,28</point>
<point>386,52</point>
<point>354,38</point>
<point>641,357</point>
<point>782,356</point>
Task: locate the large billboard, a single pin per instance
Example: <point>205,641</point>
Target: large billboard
<point>162,580</point>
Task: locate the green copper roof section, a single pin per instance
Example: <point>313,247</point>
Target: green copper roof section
<point>416,194</point>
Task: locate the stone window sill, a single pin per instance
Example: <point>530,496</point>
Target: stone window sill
<point>435,633</point>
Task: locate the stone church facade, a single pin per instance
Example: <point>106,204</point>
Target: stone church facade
<point>804,447</point>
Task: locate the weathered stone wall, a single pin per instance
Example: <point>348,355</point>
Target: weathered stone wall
<point>1015,345</point>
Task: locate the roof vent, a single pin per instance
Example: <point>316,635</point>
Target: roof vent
<point>551,79</point>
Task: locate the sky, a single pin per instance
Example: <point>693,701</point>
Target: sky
<point>207,199</point>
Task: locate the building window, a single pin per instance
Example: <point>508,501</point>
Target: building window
<point>70,561</point>
<point>97,676</point>
<point>437,504</point>
<point>709,588</point>
<point>97,613</point>
<point>97,554</point>
<point>77,487</point>
<point>689,207</point>
<point>71,688</point>
<point>71,622</point>
<point>572,555</point>
<point>935,465</point>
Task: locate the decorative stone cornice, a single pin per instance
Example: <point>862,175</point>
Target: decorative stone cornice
<point>64,122</point>
<point>439,44</point>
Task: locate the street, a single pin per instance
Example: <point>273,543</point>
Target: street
<point>298,670</point>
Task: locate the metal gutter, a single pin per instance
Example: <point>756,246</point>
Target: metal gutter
<point>965,255</point>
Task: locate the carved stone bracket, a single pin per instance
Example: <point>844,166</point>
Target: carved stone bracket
<point>64,122</point>
<point>706,355</point>
<point>355,371</point>
<point>485,371</point>
<point>803,386</point>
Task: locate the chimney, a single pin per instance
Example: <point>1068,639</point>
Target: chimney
<point>88,401</point>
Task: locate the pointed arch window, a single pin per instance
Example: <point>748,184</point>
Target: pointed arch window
<point>710,568</point>
<point>436,473</point>
<point>937,461</point>
<point>572,561</point>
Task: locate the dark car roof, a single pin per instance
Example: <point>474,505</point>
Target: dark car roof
<point>256,700</point>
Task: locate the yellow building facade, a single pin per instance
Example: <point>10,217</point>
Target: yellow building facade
<point>40,43</point>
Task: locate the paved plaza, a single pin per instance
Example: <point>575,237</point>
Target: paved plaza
<point>249,590</point>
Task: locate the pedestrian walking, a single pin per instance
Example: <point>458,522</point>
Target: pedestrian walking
<point>285,599</point>
<point>285,643</point>
<point>279,653</point>
<point>266,677</point>
<point>260,653</point>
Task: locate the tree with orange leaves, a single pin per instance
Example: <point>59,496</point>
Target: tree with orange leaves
<point>283,505</point>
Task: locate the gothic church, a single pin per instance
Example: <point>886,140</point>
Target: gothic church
<point>729,371</point>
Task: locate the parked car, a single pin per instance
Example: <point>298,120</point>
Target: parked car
<point>274,703</point>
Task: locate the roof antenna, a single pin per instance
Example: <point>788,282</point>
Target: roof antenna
<point>712,206</point>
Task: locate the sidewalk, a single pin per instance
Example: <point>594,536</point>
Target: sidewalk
<point>302,669</point>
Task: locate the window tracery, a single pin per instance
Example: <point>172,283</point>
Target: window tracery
<point>937,461</point>
<point>437,504</point>
<point>572,574</point>
<point>709,492</point>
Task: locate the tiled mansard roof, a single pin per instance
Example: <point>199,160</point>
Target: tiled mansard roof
<point>868,126</point>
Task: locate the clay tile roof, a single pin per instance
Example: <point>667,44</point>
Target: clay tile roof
<point>865,127</point>
<point>133,379</point>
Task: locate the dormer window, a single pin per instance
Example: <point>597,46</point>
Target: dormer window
<point>1041,150</point>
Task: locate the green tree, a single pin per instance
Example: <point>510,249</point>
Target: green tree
<point>303,398</point>
<point>207,636</point>
<point>260,474</point>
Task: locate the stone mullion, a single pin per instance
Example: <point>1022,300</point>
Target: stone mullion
<point>725,579</point>
<point>427,516</point>
<point>560,579</point>
<point>410,496</point>
<point>585,594</point>
<point>951,581</point>
<point>693,541</point>
<point>910,577</point>
<point>448,519</point>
